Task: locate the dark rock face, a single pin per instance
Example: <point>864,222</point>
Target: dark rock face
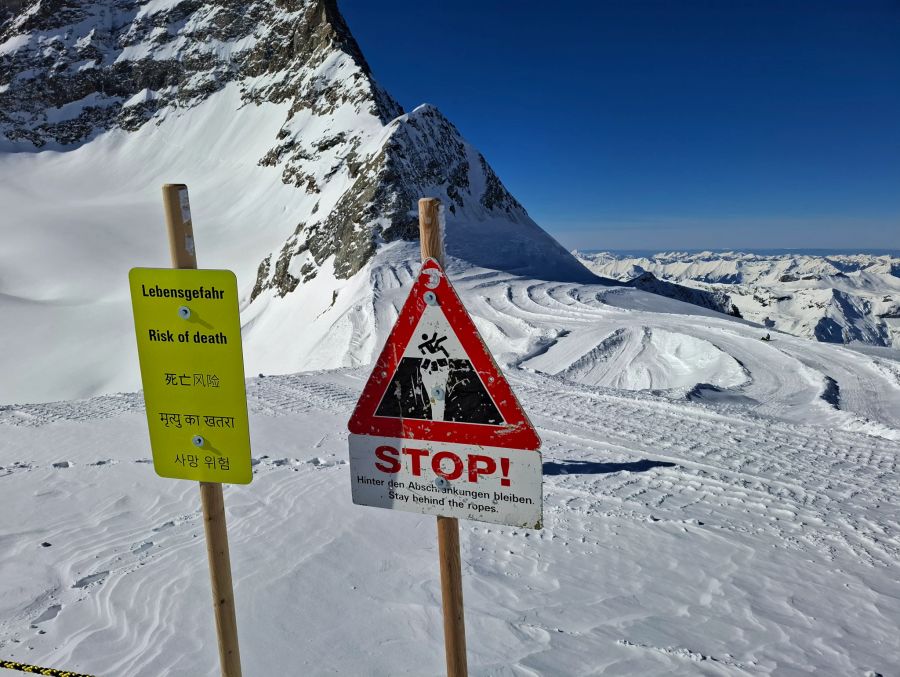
<point>96,56</point>
<point>845,322</point>
<point>9,8</point>
<point>829,331</point>
<point>423,154</point>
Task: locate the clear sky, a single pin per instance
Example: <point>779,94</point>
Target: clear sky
<point>636,124</point>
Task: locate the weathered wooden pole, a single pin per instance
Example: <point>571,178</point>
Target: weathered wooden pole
<point>184,255</point>
<point>432,246</point>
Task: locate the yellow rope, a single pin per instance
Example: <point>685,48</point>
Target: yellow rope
<point>35,670</point>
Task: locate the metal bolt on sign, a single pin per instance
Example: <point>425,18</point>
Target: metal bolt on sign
<point>198,440</point>
<point>184,313</point>
<point>430,298</point>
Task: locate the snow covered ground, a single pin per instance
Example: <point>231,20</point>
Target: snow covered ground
<point>730,508</point>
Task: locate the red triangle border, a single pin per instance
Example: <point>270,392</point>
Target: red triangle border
<point>517,431</point>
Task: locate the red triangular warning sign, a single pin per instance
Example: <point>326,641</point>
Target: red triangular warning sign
<point>435,379</point>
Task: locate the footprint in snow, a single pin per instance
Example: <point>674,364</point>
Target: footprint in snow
<point>89,580</point>
<point>320,462</point>
<point>141,548</point>
<point>47,614</point>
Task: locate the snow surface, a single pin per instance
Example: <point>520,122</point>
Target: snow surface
<point>63,259</point>
<point>682,538</point>
<point>645,359</point>
<point>743,520</point>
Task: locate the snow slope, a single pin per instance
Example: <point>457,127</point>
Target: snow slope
<point>740,518</point>
<point>750,530</point>
<point>64,259</point>
<point>646,359</point>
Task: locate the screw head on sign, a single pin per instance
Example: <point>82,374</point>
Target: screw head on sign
<point>442,483</point>
<point>430,298</point>
<point>437,393</point>
<point>434,278</point>
<point>184,313</point>
<point>198,440</point>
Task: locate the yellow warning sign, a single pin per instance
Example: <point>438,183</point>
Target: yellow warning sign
<point>189,344</point>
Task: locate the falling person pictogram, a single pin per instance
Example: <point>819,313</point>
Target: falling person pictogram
<point>435,379</point>
<point>434,373</point>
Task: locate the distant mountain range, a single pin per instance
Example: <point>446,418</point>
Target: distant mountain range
<point>837,298</point>
<point>758,251</point>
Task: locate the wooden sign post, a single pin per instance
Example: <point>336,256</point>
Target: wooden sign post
<point>184,255</point>
<point>432,247</point>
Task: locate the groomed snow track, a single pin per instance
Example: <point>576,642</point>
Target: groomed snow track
<point>679,540</point>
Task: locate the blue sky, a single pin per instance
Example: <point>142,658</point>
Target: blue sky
<point>665,124</point>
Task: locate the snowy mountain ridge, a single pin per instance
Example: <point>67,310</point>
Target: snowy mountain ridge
<point>71,70</point>
<point>742,267</point>
<point>344,141</point>
<point>834,298</point>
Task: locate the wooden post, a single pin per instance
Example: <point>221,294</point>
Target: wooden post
<point>179,225</point>
<point>452,596</point>
<point>430,235</point>
<point>432,246</point>
<point>213,503</point>
<point>184,255</point>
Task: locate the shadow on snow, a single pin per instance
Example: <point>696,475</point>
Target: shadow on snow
<point>594,468</point>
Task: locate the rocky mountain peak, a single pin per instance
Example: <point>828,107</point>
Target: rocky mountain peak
<point>70,69</point>
<point>418,153</point>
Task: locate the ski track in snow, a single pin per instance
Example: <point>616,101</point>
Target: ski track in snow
<point>679,540</point>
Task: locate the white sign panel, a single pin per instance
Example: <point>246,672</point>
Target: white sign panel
<point>489,484</point>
